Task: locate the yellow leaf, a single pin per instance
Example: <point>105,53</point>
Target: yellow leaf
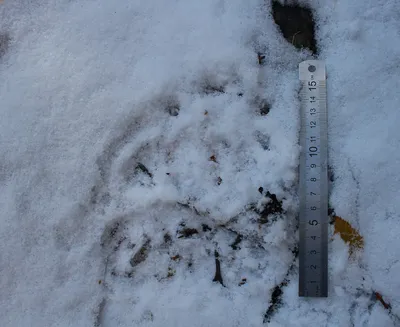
<point>348,234</point>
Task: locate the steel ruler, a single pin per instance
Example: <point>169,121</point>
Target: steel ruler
<point>313,183</point>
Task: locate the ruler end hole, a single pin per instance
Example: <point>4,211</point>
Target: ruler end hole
<point>312,68</point>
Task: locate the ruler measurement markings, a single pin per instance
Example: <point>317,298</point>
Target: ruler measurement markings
<point>313,181</point>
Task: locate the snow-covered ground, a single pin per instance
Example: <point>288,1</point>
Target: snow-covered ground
<point>132,151</point>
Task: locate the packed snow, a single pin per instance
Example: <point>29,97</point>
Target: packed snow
<point>134,161</point>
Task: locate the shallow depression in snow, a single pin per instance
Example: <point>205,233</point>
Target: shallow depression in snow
<point>148,164</point>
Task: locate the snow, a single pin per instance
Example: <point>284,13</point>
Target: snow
<point>89,237</point>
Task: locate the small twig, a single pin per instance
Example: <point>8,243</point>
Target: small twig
<point>380,299</point>
<point>261,58</point>
<point>388,307</point>
<point>218,275</point>
<point>143,169</point>
<point>294,36</point>
<point>98,322</point>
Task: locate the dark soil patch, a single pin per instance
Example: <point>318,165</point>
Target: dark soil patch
<point>141,255</point>
<point>173,110</point>
<point>238,240</point>
<point>274,206</point>
<point>296,24</point>
<point>206,228</point>
<point>187,232</point>
<point>213,89</point>
<point>167,239</point>
<point>265,108</point>
<point>142,168</point>
<point>276,296</point>
<point>4,43</point>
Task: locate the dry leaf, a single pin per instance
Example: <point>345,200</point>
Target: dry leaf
<point>380,299</point>
<point>243,281</point>
<point>348,234</point>
<point>176,257</point>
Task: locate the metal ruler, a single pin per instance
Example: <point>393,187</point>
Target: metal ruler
<point>313,184</point>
